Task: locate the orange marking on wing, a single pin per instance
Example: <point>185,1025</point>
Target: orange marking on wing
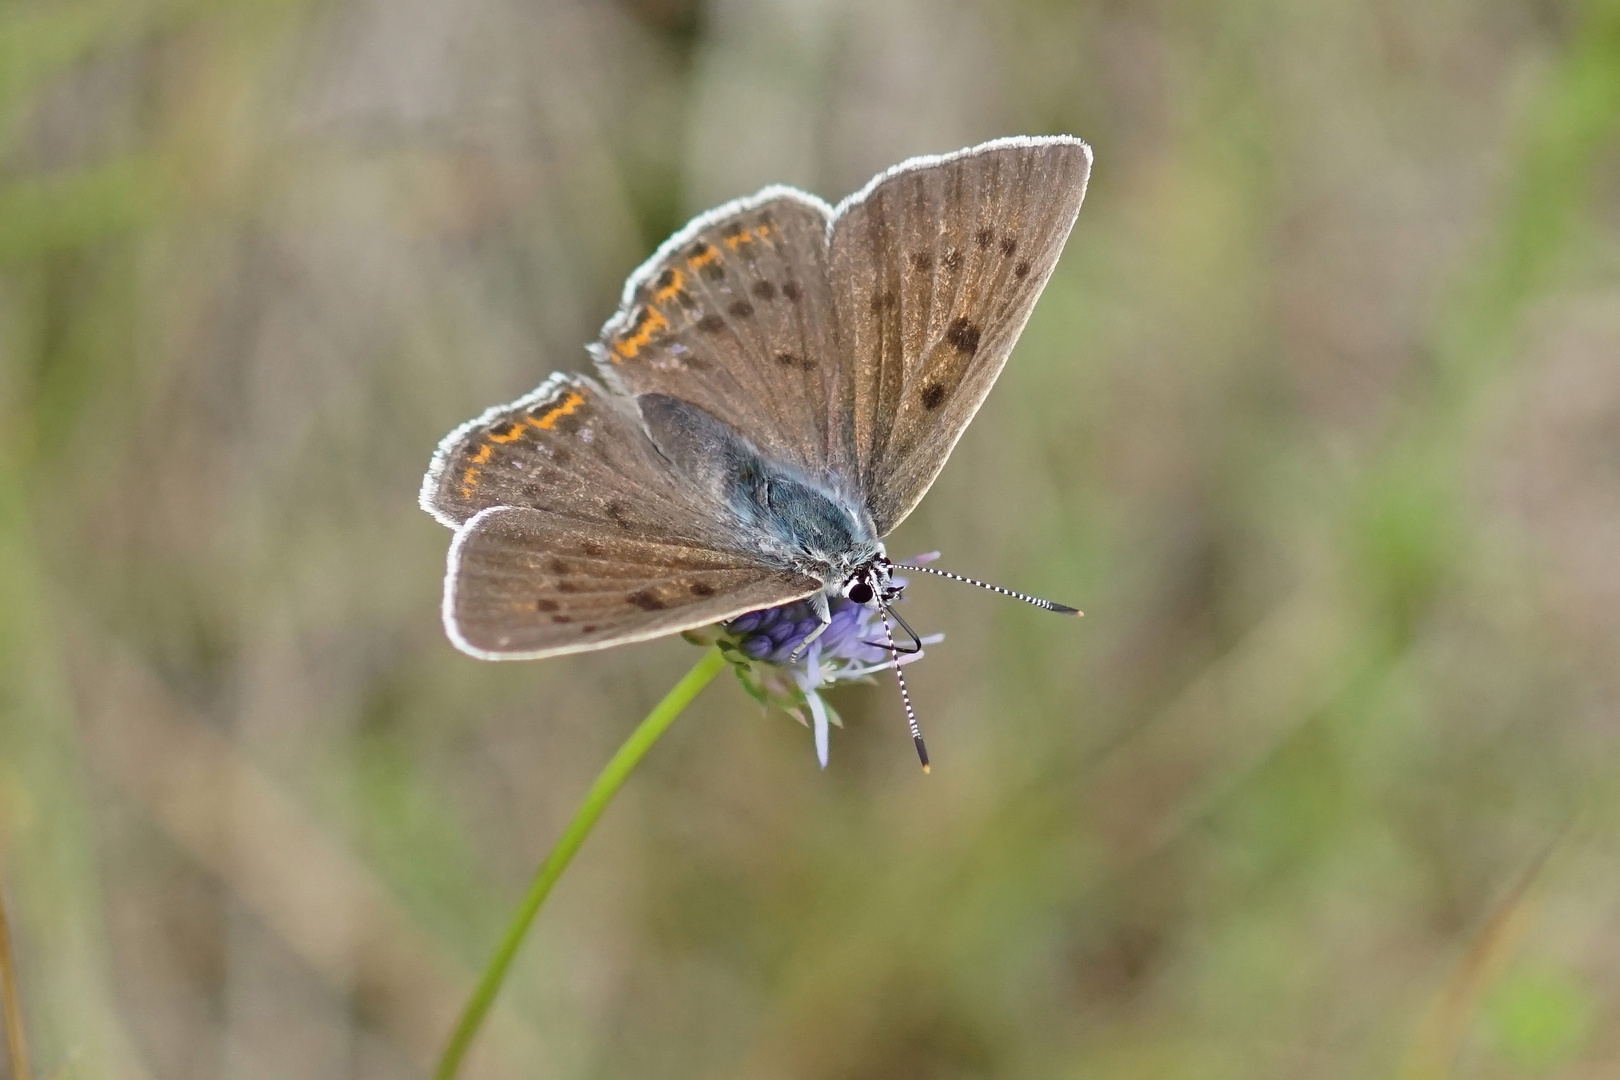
<point>698,262</point>
<point>652,321</point>
<point>469,479</point>
<point>676,281</point>
<point>570,404</point>
<point>567,407</point>
<point>747,236</point>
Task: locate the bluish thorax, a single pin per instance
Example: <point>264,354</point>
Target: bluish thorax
<point>818,532</point>
<point>787,517</point>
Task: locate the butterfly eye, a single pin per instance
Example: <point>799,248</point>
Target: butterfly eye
<point>860,592</point>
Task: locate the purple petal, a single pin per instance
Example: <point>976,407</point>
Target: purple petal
<point>747,624</point>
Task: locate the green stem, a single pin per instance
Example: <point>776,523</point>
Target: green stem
<point>607,785</point>
<point>16,1043</point>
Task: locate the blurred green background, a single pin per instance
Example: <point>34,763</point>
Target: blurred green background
<point>1319,420</point>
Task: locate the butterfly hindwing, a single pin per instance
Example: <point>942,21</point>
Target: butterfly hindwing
<point>935,267</point>
<point>573,449</point>
<point>526,583</point>
<point>735,315</point>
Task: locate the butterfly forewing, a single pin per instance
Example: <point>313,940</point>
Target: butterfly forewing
<point>734,314</point>
<point>526,583</point>
<point>935,269</point>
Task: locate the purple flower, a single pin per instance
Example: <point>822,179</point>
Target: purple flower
<point>760,645</point>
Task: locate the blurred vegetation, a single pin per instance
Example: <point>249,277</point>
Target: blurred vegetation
<point>1319,420</point>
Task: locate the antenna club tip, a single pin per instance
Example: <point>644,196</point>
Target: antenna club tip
<point>927,769</point>
<point>1065,609</point>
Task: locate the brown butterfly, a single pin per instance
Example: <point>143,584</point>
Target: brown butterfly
<point>781,384</point>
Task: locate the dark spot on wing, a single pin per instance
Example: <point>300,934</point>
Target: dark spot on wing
<point>646,600</point>
<point>701,588</point>
<point>713,271</point>
<point>742,309</point>
<point>567,587</point>
<point>667,278</point>
<point>1021,269</point>
<point>933,396</point>
<point>592,549</point>
<point>504,429</point>
<point>984,237</point>
<point>545,605</point>
<point>883,301</point>
<point>561,620</point>
<point>963,336</point>
<point>697,250</point>
<point>560,567</point>
<point>684,298</point>
<point>1008,245</point>
<point>561,456</point>
<point>765,290</point>
<point>588,628</point>
<point>792,360</point>
<point>732,228</point>
<point>615,510</point>
<point>953,259</point>
<point>791,290</point>
<point>711,323</point>
<point>922,260</point>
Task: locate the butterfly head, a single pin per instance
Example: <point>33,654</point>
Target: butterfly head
<point>872,583</point>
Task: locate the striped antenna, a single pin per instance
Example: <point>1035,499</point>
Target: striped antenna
<point>905,696</point>
<point>1047,605</point>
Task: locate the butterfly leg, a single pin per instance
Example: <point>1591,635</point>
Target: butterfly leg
<point>916,645</point>
<point>824,620</point>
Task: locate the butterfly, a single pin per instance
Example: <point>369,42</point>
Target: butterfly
<point>780,386</point>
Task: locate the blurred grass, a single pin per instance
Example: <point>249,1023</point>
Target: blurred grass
<point>1318,420</point>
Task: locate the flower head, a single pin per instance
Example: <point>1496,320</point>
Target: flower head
<point>760,646</point>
